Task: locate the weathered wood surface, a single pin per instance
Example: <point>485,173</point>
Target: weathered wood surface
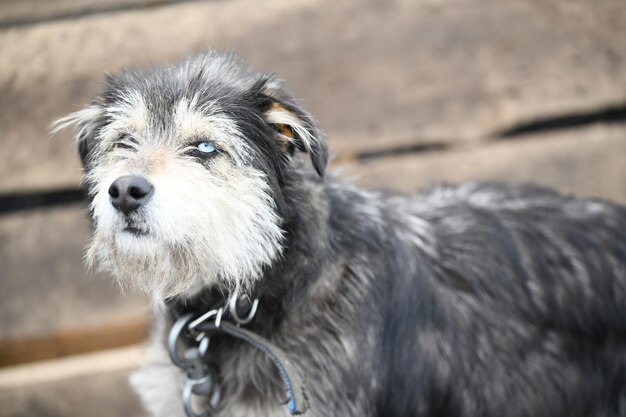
<point>376,75</point>
<point>107,334</point>
<point>103,395</point>
<point>23,12</point>
<point>93,385</point>
<point>586,162</point>
<point>44,286</point>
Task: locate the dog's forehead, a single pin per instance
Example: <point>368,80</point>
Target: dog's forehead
<point>176,106</point>
<point>183,96</point>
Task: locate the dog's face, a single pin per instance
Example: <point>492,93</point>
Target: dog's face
<point>185,167</point>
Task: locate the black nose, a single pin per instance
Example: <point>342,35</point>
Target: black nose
<point>129,192</point>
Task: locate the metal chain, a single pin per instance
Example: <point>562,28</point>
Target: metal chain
<point>201,381</point>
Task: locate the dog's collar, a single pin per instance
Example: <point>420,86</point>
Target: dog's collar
<point>191,334</point>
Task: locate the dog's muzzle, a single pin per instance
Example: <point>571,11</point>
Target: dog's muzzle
<point>130,192</point>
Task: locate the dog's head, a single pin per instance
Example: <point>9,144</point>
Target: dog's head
<point>185,167</point>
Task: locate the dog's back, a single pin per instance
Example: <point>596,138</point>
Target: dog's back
<point>517,306</point>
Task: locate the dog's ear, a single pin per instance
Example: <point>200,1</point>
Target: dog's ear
<point>87,123</point>
<point>294,128</point>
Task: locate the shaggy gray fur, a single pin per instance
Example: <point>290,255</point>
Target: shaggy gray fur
<point>478,300</point>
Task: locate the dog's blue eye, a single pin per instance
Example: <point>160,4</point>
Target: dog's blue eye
<point>206,147</point>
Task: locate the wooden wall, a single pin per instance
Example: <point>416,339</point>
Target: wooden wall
<point>409,93</point>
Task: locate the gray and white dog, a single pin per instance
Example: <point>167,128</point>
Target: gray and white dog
<point>477,300</point>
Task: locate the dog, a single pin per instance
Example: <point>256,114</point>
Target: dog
<point>208,190</point>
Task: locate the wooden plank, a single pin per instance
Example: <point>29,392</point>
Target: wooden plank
<point>21,12</point>
<point>123,359</point>
<point>93,385</point>
<point>66,342</point>
<point>45,289</point>
<point>374,75</point>
<point>586,162</point>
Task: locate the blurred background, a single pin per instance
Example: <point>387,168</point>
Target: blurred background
<point>410,93</point>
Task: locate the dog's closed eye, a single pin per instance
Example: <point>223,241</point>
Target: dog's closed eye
<point>125,142</point>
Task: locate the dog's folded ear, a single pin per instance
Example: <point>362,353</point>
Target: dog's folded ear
<point>294,128</point>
